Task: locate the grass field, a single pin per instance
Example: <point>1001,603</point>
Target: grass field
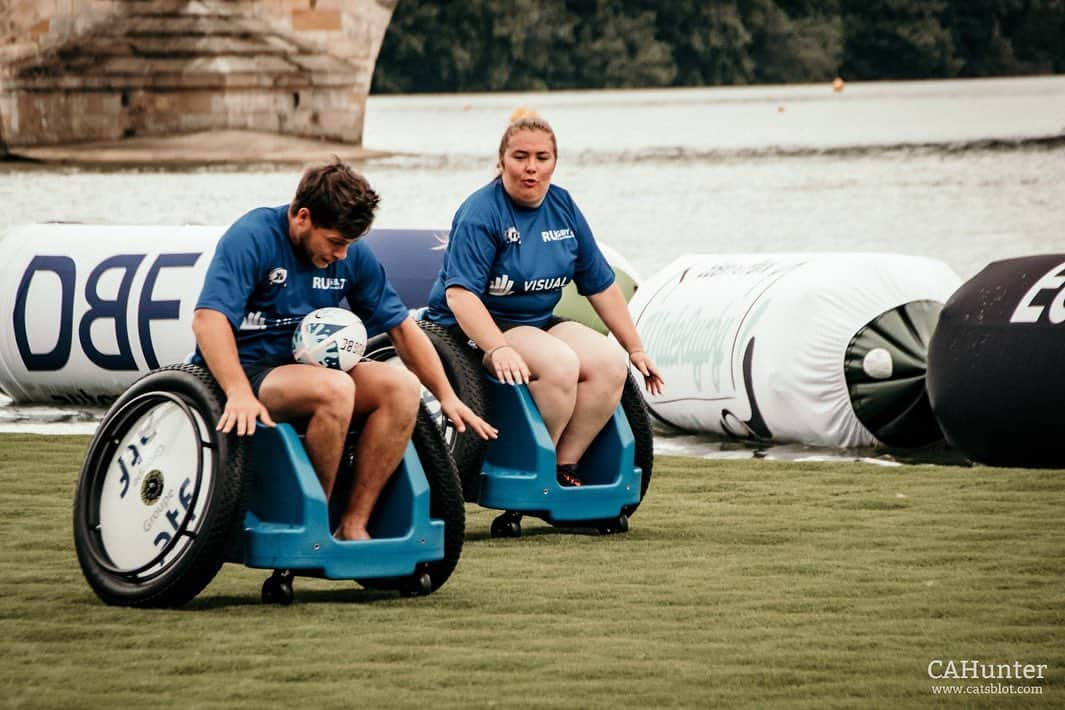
<point>741,583</point>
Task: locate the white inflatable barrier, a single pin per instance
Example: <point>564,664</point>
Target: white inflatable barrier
<point>87,309</point>
<point>819,349</point>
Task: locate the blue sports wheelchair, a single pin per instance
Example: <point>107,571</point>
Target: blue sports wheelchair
<point>163,500</point>
<point>516,473</point>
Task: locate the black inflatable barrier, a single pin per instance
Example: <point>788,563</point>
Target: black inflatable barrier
<point>996,364</point>
<point>885,368</point>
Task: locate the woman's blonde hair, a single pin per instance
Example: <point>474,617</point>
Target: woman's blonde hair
<point>525,119</point>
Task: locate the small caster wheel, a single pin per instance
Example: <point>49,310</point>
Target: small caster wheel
<point>619,524</point>
<point>418,585</point>
<point>277,589</point>
<point>507,525</point>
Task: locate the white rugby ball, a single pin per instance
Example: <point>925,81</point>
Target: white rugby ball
<point>330,337</point>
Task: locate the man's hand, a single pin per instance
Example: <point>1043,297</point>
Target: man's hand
<point>214,335</point>
<point>462,416</point>
<point>417,352</point>
<point>241,412</point>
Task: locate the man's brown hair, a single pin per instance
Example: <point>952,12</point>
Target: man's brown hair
<point>338,198</point>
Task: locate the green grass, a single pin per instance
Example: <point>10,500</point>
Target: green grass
<point>744,583</point>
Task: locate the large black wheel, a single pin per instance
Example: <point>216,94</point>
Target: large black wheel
<point>466,376</point>
<point>632,403</point>
<point>445,503</point>
<point>160,492</point>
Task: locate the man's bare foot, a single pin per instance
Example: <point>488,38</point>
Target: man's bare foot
<point>351,532</point>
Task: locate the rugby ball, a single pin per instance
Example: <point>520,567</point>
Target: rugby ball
<point>330,337</point>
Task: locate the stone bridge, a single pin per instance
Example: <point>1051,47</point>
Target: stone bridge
<point>103,70</point>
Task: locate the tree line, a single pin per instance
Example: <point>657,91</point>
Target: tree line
<point>529,45</point>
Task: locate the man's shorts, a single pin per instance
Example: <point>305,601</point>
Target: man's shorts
<point>256,374</point>
<point>503,325</point>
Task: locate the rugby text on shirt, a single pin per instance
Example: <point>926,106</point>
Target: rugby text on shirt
<point>328,283</point>
<point>557,235</point>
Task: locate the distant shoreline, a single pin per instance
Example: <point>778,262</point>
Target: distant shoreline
<point>204,148</point>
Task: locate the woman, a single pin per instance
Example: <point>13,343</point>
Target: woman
<point>515,243</point>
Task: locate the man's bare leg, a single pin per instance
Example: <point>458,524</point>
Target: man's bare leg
<point>387,405</point>
<point>325,398</point>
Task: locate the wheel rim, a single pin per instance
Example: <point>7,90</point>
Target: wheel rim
<point>152,487</point>
<point>445,425</point>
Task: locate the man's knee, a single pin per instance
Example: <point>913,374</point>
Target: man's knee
<point>401,391</point>
<point>332,391</point>
<point>303,391</point>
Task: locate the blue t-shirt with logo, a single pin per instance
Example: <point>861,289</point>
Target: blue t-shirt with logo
<point>518,259</point>
<point>265,287</point>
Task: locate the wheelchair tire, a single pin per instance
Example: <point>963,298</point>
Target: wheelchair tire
<point>161,492</point>
<point>632,403</point>
<point>445,495</point>
<point>466,376</point>
<point>445,503</point>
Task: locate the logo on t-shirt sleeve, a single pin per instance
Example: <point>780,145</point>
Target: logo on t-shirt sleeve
<point>278,276</point>
<point>253,321</point>
<point>501,285</point>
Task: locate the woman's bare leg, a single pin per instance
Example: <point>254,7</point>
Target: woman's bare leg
<point>603,369</point>
<point>554,367</point>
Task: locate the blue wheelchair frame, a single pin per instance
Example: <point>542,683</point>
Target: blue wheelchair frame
<point>519,472</point>
<point>288,527</point>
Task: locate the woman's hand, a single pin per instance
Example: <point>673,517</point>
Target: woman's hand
<point>506,365</point>
<point>651,379</point>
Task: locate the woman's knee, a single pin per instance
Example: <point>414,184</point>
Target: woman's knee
<point>550,360</point>
<point>562,368</point>
<point>607,364</point>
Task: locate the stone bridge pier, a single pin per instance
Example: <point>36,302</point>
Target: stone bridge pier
<point>103,70</point>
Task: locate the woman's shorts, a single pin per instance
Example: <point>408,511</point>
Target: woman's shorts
<point>503,325</point>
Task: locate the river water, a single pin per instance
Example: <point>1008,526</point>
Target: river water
<point>963,171</point>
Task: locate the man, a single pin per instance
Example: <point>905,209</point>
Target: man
<point>270,269</point>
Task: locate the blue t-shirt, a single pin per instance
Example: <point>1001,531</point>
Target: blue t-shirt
<point>265,287</point>
<point>518,259</point>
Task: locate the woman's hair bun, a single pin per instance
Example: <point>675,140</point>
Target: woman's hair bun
<point>523,112</point>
